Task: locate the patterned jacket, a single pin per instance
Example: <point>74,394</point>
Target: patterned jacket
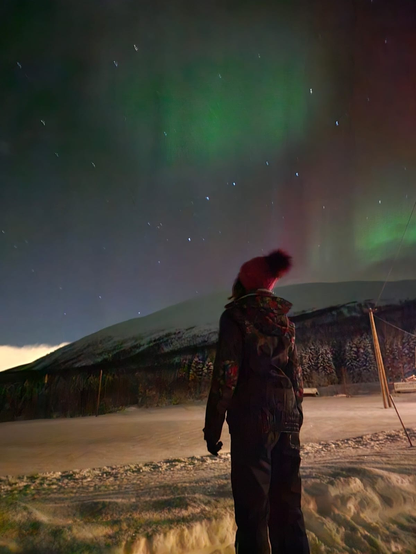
<point>256,379</point>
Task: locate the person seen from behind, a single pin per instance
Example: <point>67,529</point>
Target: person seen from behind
<point>257,384</point>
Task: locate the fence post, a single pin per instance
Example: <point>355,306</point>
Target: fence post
<point>99,392</point>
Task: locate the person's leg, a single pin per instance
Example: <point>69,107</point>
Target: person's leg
<point>250,480</point>
<point>286,525</point>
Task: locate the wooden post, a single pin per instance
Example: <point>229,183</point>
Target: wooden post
<point>386,385</point>
<point>401,421</point>
<point>380,366</point>
<point>99,392</point>
<point>344,379</point>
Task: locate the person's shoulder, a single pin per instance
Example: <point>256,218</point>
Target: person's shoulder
<point>230,317</point>
<point>223,316</point>
<point>227,314</point>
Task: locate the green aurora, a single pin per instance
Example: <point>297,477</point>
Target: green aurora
<point>207,117</point>
<point>379,233</point>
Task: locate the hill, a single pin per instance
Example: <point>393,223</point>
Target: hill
<point>194,324</point>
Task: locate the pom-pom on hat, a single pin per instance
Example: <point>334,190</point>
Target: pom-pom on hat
<point>263,272</point>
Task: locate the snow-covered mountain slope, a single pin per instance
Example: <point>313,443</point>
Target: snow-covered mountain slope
<point>195,323</point>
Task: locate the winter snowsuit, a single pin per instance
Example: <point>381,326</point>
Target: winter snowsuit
<point>257,381</point>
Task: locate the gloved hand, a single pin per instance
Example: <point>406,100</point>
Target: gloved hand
<point>295,440</point>
<point>214,448</point>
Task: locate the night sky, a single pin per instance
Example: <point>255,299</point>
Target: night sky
<point>148,148</point>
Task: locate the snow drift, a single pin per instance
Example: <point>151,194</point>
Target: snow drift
<point>356,501</point>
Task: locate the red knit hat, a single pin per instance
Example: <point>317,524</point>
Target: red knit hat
<point>264,271</point>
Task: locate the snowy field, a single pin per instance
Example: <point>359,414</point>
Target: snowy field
<point>359,482</point>
<point>139,435</point>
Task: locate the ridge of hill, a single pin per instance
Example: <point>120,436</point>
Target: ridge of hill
<point>194,323</point>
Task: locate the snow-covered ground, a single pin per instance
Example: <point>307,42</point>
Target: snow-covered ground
<point>141,435</point>
<point>359,498</point>
<point>156,491</point>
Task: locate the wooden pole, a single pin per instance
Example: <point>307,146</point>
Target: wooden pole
<point>374,334</point>
<point>386,385</point>
<point>401,421</point>
<point>379,361</point>
<point>382,370</point>
<point>99,392</point>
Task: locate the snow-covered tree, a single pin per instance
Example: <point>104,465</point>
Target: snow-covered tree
<point>325,366</point>
<point>305,363</point>
<point>393,358</point>
<point>338,357</point>
<point>360,360</point>
<point>317,365</point>
<point>409,353</point>
<point>368,360</point>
